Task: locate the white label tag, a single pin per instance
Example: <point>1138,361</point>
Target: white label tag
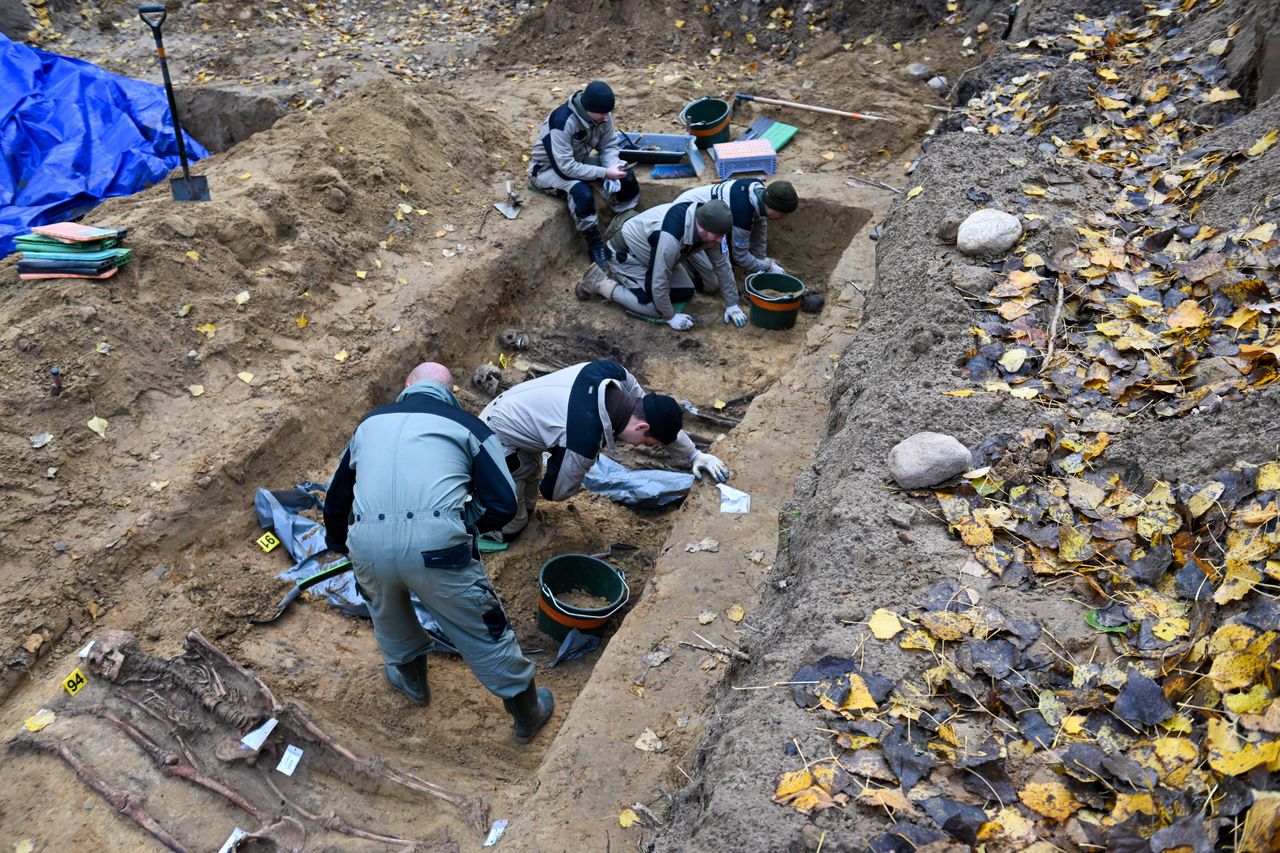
<point>256,738</point>
<point>289,761</point>
<point>236,835</point>
<point>495,832</point>
<point>724,245</point>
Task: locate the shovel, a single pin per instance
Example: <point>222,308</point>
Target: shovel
<point>303,585</point>
<point>511,207</point>
<point>186,188</point>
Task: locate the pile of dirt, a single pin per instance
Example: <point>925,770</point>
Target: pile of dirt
<point>842,716</point>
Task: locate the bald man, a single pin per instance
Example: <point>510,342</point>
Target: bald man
<point>418,481</point>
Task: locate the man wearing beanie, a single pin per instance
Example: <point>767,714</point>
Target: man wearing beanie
<point>662,255</point>
<point>752,204</point>
<point>573,414</point>
<point>562,162</point>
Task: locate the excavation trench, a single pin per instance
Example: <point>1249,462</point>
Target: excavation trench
<point>330,662</point>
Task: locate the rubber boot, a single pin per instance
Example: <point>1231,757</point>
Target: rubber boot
<point>531,709</point>
<point>595,283</point>
<point>595,245</point>
<point>410,679</point>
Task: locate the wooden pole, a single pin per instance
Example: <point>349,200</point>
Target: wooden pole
<point>810,107</point>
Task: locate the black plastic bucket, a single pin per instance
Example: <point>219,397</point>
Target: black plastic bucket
<point>568,572</point>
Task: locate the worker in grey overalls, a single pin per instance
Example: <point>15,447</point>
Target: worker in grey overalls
<point>752,205</point>
<point>418,481</point>
<point>571,415</point>
<point>650,271</point>
<point>562,162</point>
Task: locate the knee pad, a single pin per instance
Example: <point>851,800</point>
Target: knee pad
<point>630,187</point>
<point>584,203</point>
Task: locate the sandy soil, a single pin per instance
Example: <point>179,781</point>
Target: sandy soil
<point>151,528</point>
<point>359,226</point>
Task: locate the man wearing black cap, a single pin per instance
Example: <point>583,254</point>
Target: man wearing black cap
<point>562,162</point>
<point>573,414</point>
<point>653,267</point>
<point>752,204</point>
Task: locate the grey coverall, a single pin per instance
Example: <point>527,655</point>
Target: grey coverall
<point>563,413</point>
<point>650,256</point>
<point>748,244</point>
<point>418,476</point>
<point>562,162</point>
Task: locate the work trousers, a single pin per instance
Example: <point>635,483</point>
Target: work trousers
<point>633,295</point>
<point>579,195</point>
<point>389,565</point>
<point>526,471</point>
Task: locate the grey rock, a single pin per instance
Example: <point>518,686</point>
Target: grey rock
<point>1210,371</point>
<point>926,459</point>
<point>917,71</point>
<point>988,232</point>
<point>947,230</point>
<point>972,279</point>
<point>335,199</point>
<point>939,84</point>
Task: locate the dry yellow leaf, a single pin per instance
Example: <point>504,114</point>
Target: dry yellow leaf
<point>963,392</point>
<point>828,155</point>
<point>156,485</point>
<point>1030,190</point>
<point>98,425</point>
<point>946,625</point>
<point>917,639</point>
<point>208,330</point>
<point>859,698</point>
<point>246,176</point>
<point>362,274</point>
<point>1263,144</point>
<point>627,818</point>
<point>1051,799</point>
<point>37,721</point>
<point>245,376</point>
<point>735,612</point>
<point>914,191</point>
<point>1075,544</point>
<point>196,390</point>
<point>341,355</point>
<point>885,624</point>
<point>302,321</point>
<point>790,784</point>
<point>974,532</point>
<point>242,297</point>
<point>1013,360</point>
<point>1171,627</point>
<point>1229,755</point>
<point>194,255</point>
<point>1108,74</point>
<point>1217,95</point>
<point>1073,724</point>
<point>1188,315</point>
<point>1261,832</point>
<point>679,24</point>
<point>185,310</point>
<point>1234,670</point>
<point>1269,476</point>
<point>1217,47</point>
<point>1262,233</point>
<point>889,798</point>
<point>1252,701</point>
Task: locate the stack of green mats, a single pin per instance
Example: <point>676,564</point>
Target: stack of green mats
<point>775,131</point>
<point>67,250</point>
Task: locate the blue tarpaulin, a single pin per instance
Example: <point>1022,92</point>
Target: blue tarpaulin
<point>73,134</point>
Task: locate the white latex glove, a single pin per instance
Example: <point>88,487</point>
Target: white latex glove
<point>705,463</point>
<point>612,187</point>
<point>775,267</point>
<point>733,314</point>
<point>680,322</point>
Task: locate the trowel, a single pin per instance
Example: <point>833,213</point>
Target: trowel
<point>511,207</point>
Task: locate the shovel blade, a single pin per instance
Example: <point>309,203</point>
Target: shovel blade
<point>510,211</point>
<point>194,188</point>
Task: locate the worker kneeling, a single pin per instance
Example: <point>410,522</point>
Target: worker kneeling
<point>652,270</point>
<point>418,477</point>
<point>571,415</point>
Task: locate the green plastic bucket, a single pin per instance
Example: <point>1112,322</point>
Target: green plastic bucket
<point>708,121</point>
<point>569,572</point>
<point>772,311</point>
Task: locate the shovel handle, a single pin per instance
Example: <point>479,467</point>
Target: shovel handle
<point>153,15</point>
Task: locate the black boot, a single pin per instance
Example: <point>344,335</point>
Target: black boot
<point>595,245</point>
<point>410,679</point>
<point>531,710</point>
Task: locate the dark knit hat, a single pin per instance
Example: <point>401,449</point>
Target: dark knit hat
<point>781,196</point>
<point>714,216</point>
<point>597,97</point>
<point>665,417</point>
